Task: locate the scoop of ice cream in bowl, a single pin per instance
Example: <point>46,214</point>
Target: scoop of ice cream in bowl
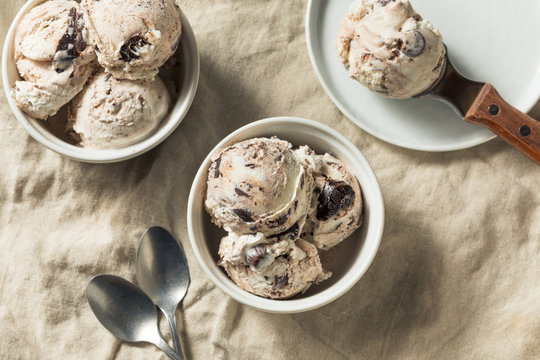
<point>285,215</point>
<point>100,81</point>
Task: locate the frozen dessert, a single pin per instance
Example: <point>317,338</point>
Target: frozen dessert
<point>278,205</point>
<point>52,57</point>
<point>275,270</point>
<point>258,185</point>
<point>336,210</point>
<point>112,113</point>
<point>132,39</point>
<point>55,48</point>
<point>389,48</point>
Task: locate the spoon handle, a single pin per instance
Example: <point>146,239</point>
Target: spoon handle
<point>167,350</point>
<point>520,130</point>
<point>171,318</point>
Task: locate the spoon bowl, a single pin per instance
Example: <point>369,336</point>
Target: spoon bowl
<point>163,273</point>
<point>126,311</point>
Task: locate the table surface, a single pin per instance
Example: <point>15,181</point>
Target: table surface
<point>456,277</point>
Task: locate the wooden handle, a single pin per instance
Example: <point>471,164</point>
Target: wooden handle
<point>518,129</point>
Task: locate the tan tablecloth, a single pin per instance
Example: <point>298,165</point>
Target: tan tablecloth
<point>456,277</point>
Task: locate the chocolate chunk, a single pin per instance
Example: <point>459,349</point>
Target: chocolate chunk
<point>129,50</point>
<point>414,46</point>
<point>291,233</point>
<point>243,214</point>
<point>283,219</point>
<point>72,43</point>
<point>240,192</point>
<point>256,254</point>
<point>335,196</point>
<point>217,173</point>
<point>252,166</point>
<point>281,281</point>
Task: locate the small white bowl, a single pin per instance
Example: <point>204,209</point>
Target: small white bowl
<point>348,261</point>
<point>186,79</point>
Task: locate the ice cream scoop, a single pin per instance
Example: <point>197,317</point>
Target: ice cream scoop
<point>389,48</point>
<point>480,103</point>
<point>113,113</point>
<point>336,208</point>
<point>271,198</point>
<point>132,39</point>
<point>258,185</point>
<point>273,270</point>
<point>52,57</point>
<point>420,67</point>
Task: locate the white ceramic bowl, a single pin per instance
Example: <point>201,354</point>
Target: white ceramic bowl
<point>186,80</point>
<point>348,261</point>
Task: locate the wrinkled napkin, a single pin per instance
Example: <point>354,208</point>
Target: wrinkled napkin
<point>456,277</point>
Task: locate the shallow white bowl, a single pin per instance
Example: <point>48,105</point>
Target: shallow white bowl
<point>348,261</point>
<point>186,80</point>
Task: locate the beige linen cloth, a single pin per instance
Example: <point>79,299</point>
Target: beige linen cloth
<point>456,277</point>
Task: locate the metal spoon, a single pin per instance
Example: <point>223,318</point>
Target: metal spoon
<point>126,311</point>
<point>162,272</point>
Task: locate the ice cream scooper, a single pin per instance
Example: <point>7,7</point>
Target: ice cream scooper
<point>479,103</point>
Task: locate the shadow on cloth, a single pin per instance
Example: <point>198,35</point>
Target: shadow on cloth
<point>399,293</point>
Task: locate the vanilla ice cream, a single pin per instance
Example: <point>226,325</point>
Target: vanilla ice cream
<point>336,210</point>
<point>52,57</point>
<point>278,205</point>
<point>389,48</point>
<point>274,270</point>
<point>258,185</point>
<point>113,113</point>
<point>132,39</point>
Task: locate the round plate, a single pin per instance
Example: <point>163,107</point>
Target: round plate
<point>486,41</point>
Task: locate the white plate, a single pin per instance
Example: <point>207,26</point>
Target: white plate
<point>487,40</point>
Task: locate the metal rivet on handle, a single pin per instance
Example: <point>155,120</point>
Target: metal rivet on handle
<point>525,130</point>
<point>493,109</point>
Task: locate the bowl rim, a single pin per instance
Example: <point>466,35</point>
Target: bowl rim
<point>103,155</point>
<point>317,300</point>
